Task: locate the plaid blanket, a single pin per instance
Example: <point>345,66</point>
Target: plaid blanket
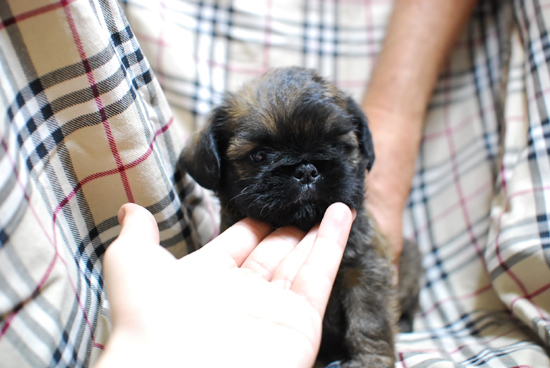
<point>97,99</point>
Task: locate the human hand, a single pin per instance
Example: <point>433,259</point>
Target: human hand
<point>249,298</point>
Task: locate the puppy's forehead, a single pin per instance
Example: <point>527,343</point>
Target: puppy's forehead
<point>291,100</point>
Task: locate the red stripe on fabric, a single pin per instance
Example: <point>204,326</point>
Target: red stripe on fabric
<point>102,174</point>
<point>97,97</point>
<point>7,324</point>
<point>402,360</point>
<point>456,175</point>
<point>508,271</point>
<point>527,191</point>
<point>33,294</point>
<point>474,294</point>
<point>23,189</point>
<point>532,295</point>
<point>71,195</point>
<point>50,267</point>
<point>461,125</point>
<point>511,273</point>
<point>485,342</point>
<point>32,13</point>
<point>443,214</point>
<point>121,169</point>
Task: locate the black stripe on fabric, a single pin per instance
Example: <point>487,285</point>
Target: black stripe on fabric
<point>491,130</point>
<point>3,238</point>
<point>94,245</point>
<point>70,354</point>
<point>10,187</point>
<point>533,151</point>
<point>178,217</point>
<point>47,145</point>
<point>59,352</point>
<point>72,99</point>
<point>335,30</point>
<point>540,158</point>
<point>122,36</point>
<point>542,220</point>
<point>197,42</point>
<point>508,264</point>
<point>20,306</point>
<point>422,206</point>
<point>503,354</point>
<point>228,54</point>
<point>25,351</point>
<point>304,26</point>
<point>468,160</point>
<point>430,362</point>
<point>509,236</point>
<point>57,77</point>
<point>155,96</point>
<point>479,226</point>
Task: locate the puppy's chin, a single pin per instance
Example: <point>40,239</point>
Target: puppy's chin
<point>303,216</point>
<point>302,210</point>
<point>281,200</point>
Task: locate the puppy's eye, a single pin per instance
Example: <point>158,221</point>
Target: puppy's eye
<point>258,156</point>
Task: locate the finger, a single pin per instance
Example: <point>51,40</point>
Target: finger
<point>239,240</point>
<point>315,278</point>
<point>137,223</point>
<point>285,274</point>
<point>135,251</point>
<point>136,245</point>
<point>267,256</point>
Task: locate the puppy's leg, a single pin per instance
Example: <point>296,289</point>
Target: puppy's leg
<point>410,273</point>
<point>369,306</point>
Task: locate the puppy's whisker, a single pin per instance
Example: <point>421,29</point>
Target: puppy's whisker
<point>243,192</point>
<point>292,144</point>
<point>253,203</point>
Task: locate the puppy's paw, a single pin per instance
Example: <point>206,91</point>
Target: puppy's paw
<point>369,361</point>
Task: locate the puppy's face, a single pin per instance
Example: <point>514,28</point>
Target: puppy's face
<point>283,149</point>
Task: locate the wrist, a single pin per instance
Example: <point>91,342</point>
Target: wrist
<point>396,139</point>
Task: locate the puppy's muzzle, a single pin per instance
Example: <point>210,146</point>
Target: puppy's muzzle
<point>306,173</point>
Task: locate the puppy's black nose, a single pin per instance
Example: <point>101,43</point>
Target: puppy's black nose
<point>306,173</point>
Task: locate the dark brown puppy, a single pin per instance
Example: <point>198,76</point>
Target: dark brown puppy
<point>282,150</point>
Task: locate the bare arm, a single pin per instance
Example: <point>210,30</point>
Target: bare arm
<point>419,37</point>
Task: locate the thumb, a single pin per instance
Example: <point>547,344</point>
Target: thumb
<point>137,244</point>
<point>137,223</point>
<point>128,262</point>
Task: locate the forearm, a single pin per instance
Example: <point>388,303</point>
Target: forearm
<point>418,39</point>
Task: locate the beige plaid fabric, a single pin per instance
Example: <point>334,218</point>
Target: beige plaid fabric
<point>96,110</point>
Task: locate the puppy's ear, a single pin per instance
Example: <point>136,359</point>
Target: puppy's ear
<point>362,130</point>
<point>200,157</point>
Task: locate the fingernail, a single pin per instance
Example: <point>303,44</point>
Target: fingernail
<point>121,215</point>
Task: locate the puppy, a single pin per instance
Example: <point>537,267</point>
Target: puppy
<point>281,150</point>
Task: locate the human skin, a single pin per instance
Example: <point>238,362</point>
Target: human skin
<point>240,300</point>
<point>419,37</point>
<point>244,305</point>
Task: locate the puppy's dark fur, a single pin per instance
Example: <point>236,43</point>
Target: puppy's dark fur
<point>282,150</point>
